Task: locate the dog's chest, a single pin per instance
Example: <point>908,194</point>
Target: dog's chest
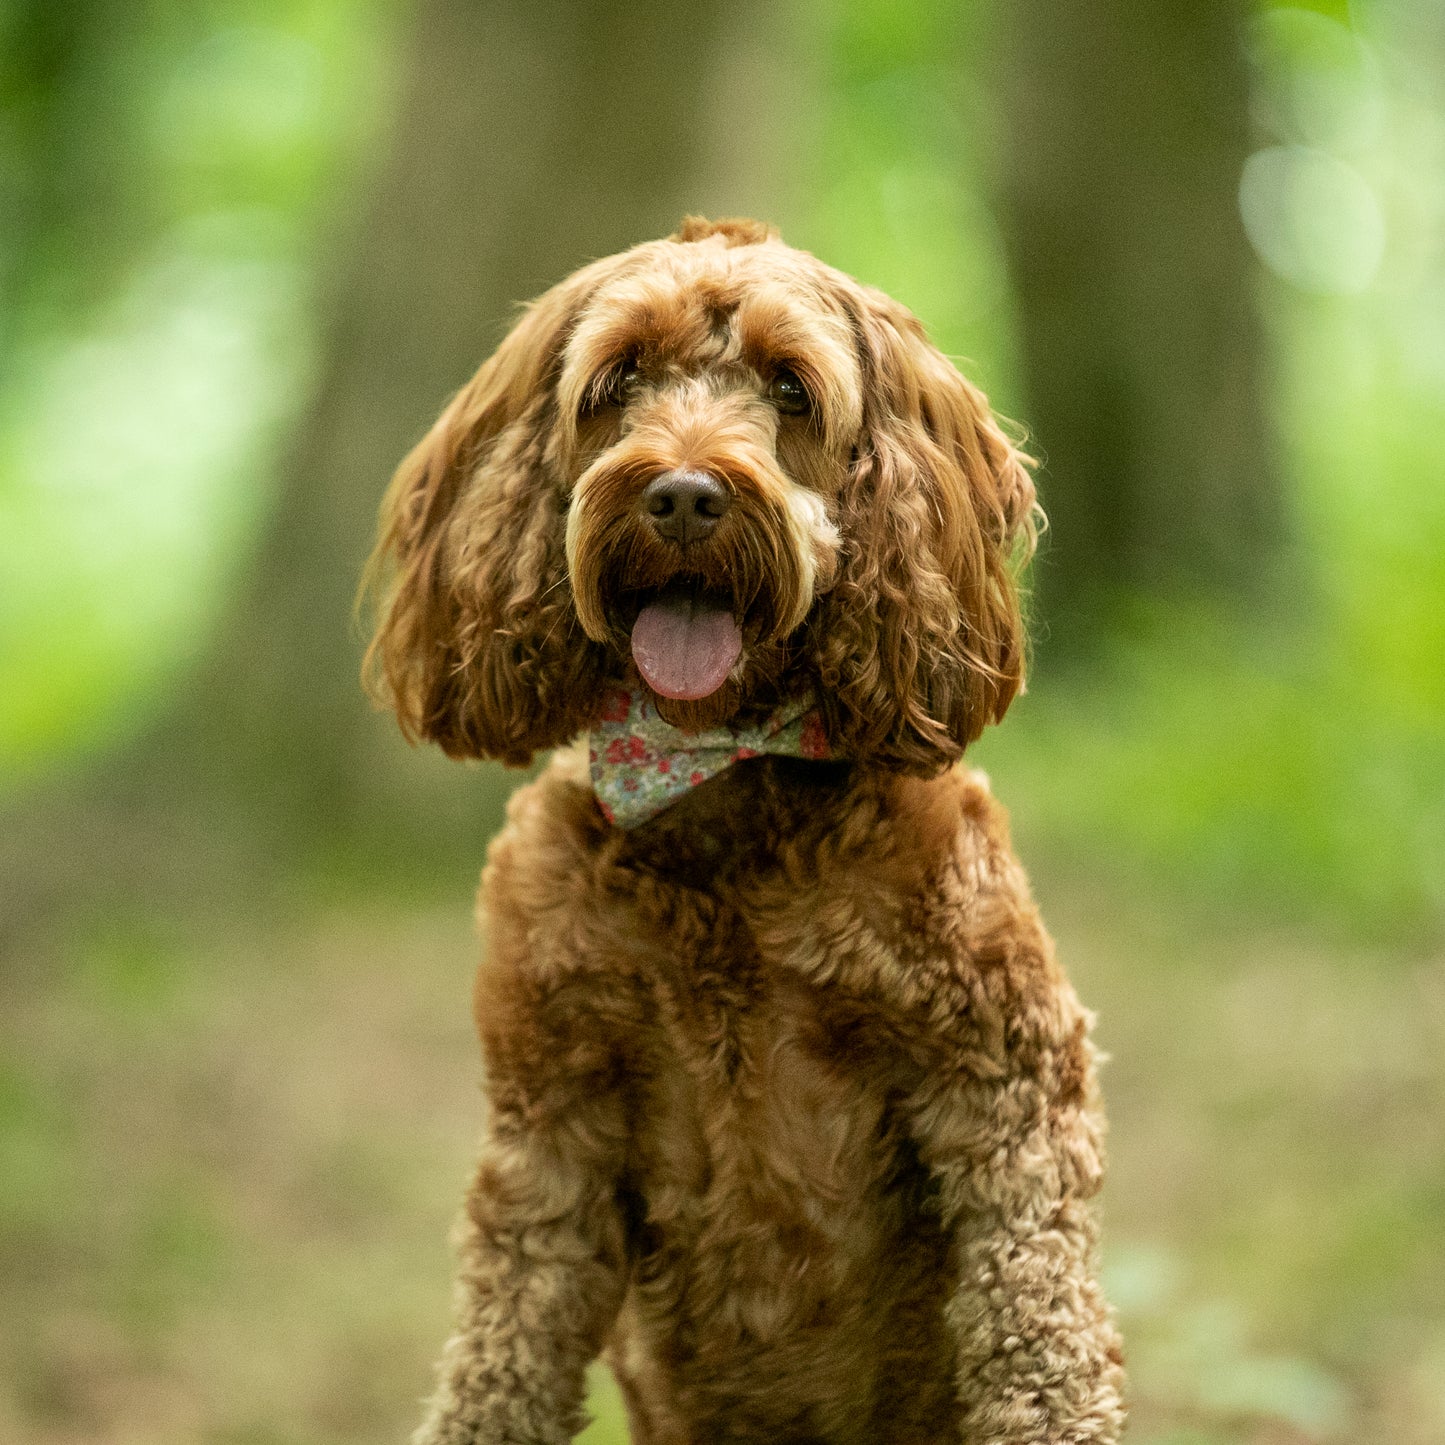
<point>766,1132</point>
<point>782,1221</point>
<point>758,1075</point>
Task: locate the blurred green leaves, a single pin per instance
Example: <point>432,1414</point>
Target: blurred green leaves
<point>173,168</point>
<point>137,453</point>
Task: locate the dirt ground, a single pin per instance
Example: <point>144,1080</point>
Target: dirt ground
<point>229,1161</point>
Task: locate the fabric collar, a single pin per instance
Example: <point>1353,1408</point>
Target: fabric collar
<point>641,764</point>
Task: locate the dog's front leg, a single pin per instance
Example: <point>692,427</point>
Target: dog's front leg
<point>543,1257</point>
<point>1015,1153</point>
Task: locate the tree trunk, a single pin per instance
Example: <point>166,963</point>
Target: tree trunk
<point>532,135</point>
<point>1125,129</point>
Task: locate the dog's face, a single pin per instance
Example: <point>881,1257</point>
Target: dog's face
<point>717,468</point>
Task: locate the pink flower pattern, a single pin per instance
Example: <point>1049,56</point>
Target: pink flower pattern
<point>641,764</point>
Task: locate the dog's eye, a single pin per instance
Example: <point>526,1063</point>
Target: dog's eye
<point>788,394</point>
<point>624,383</point>
<point>616,387</point>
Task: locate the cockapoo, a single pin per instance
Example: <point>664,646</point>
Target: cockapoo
<point>792,1113</point>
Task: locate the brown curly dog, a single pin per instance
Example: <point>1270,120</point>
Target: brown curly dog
<point>792,1111</point>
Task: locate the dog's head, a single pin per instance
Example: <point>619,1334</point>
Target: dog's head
<point>717,466</point>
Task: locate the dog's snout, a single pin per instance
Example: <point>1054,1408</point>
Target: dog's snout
<point>685,506</point>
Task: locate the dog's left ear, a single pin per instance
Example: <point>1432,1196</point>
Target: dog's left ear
<point>920,643</point>
<point>477,646</point>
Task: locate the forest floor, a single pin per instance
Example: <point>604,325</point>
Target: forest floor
<point>229,1163</point>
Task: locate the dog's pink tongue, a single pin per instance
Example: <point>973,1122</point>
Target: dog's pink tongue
<point>685,647</point>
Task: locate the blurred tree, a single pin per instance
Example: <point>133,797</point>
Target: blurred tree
<point>532,135</point>
<point>1126,129</point>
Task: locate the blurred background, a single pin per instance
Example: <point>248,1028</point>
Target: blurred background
<point>247,249</point>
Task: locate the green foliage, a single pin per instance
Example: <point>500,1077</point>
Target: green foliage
<point>174,169</point>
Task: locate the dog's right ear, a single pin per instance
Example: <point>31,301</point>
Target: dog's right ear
<point>920,643</point>
<point>477,646</point>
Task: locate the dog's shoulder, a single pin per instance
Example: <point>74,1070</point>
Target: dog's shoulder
<point>553,833</point>
<point>554,982</point>
<point>943,838</point>
<point>542,865</point>
<point>975,931</point>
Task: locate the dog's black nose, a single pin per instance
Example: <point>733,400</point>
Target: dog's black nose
<point>685,506</point>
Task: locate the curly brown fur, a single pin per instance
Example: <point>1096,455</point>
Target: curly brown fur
<point>793,1112</point>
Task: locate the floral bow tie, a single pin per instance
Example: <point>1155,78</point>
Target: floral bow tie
<point>641,764</point>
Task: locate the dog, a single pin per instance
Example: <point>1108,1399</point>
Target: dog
<point>792,1112</point>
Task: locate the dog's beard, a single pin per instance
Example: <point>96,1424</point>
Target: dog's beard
<point>672,613</point>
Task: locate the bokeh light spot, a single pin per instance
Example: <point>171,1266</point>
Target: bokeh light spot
<point>1312,218</point>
